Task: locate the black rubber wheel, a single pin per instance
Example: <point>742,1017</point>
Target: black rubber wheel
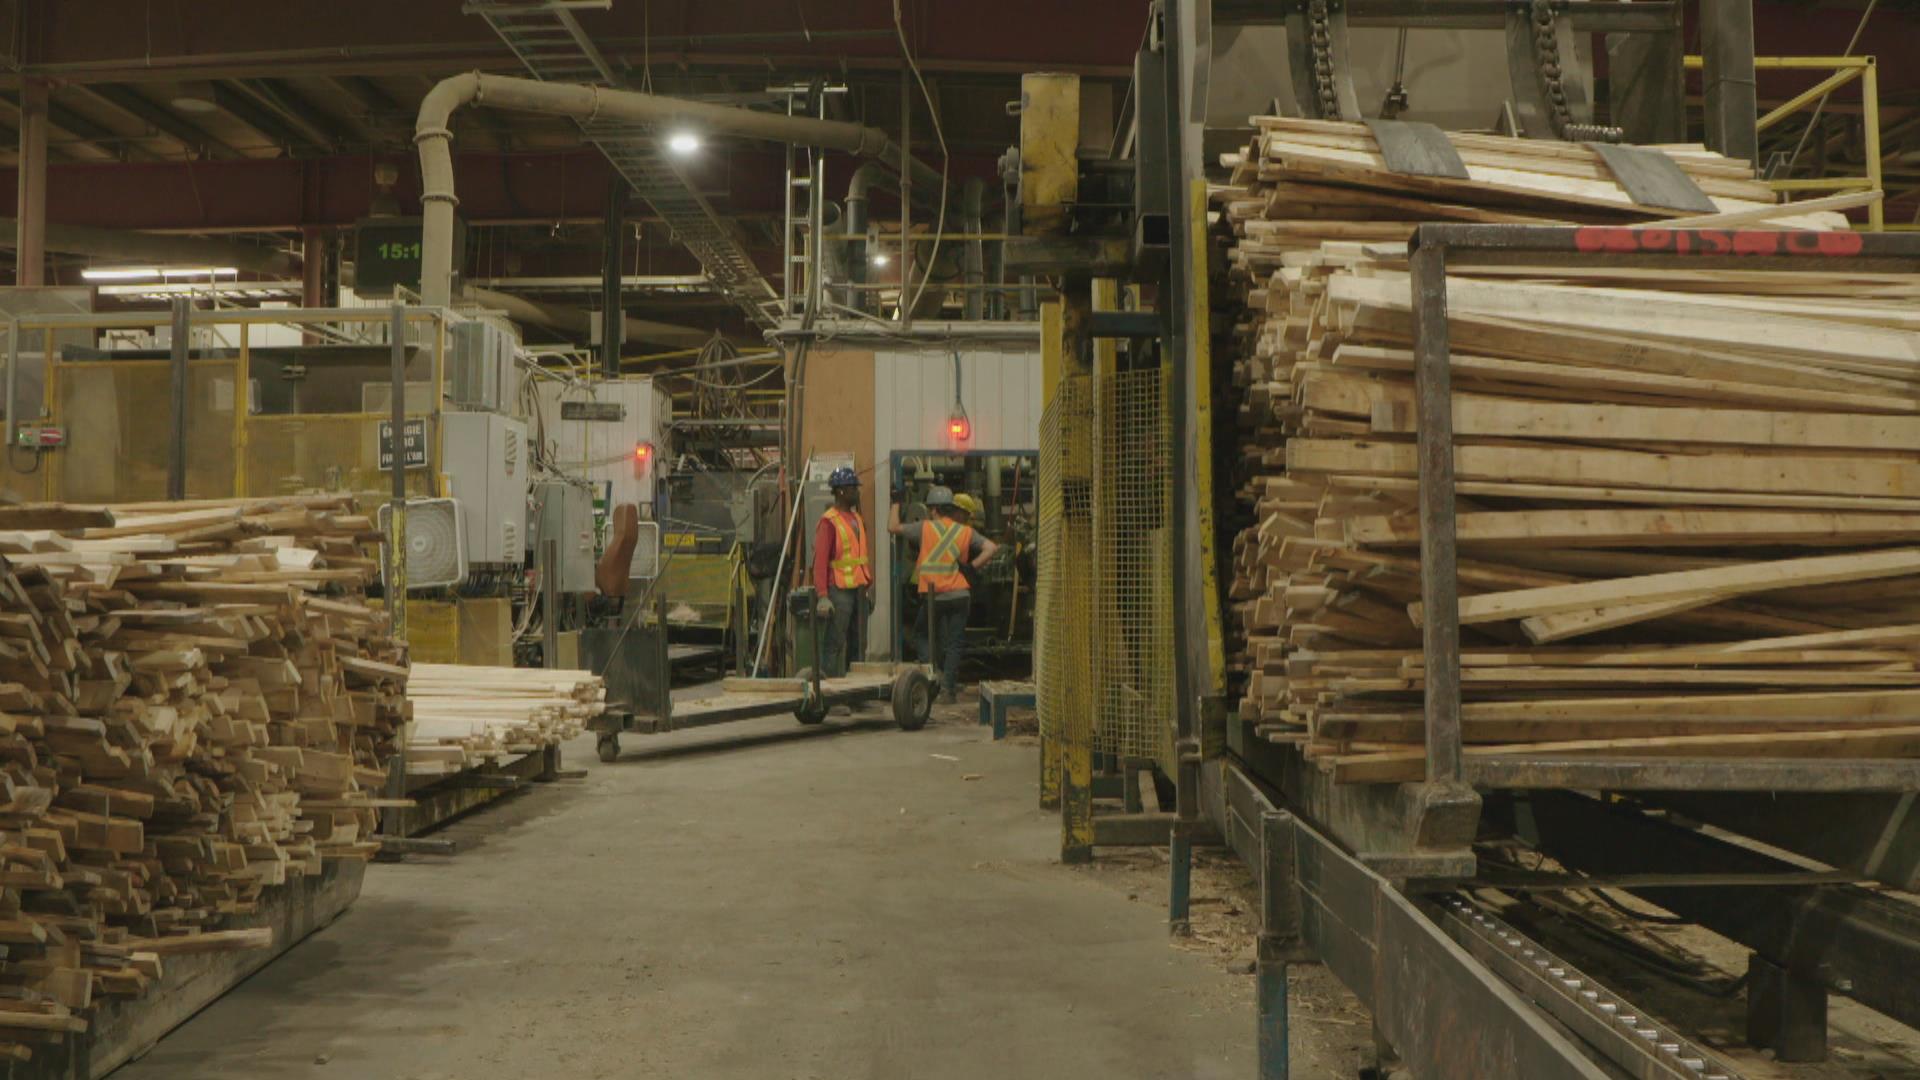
<point>608,747</point>
<point>812,710</point>
<point>912,699</point>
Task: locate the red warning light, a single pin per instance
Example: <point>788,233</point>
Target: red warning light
<point>642,457</point>
<point>960,428</point>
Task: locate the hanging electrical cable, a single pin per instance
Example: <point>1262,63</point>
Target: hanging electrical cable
<point>940,223</point>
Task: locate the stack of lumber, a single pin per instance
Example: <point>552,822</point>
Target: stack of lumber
<point>464,715</point>
<point>1688,501</point>
<point>196,706</point>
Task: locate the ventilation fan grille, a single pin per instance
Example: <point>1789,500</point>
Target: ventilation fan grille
<point>646,551</point>
<point>436,543</point>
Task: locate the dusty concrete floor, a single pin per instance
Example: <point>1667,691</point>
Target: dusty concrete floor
<point>845,903</point>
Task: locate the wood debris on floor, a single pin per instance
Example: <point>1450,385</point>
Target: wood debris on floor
<point>196,706</point>
<point>1688,500</point>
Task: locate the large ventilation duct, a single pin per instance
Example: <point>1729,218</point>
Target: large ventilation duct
<point>591,104</point>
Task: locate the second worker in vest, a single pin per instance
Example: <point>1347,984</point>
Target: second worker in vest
<point>946,543</point>
<point>842,574</point>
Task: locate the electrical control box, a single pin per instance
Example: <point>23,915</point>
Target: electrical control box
<point>563,512</point>
<point>480,371</point>
<point>486,462</point>
<point>615,434</point>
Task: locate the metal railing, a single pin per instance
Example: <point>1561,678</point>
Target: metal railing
<point>1842,71</point>
<point>115,445</point>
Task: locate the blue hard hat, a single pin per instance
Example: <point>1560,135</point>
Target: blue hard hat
<point>843,477</point>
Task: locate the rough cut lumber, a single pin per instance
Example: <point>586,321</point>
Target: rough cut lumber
<point>463,715</point>
<point>163,732</point>
<point>1718,583</point>
<point>1688,500</point>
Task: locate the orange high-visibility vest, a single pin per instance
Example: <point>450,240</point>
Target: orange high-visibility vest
<point>943,544</point>
<point>850,567</point>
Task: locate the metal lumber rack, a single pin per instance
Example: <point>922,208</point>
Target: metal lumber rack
<point>1365,877</point>
<point>439,798</point>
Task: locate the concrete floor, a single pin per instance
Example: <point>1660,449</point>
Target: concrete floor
<point>818,904</point>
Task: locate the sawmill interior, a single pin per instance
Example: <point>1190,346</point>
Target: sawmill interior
<point>1368,539</point>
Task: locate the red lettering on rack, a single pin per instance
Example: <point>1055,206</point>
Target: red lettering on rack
<point>1598,239</point>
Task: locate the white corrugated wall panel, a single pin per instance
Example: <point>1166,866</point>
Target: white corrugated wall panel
<point>912,402</point>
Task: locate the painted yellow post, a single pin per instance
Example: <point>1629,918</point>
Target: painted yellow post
<point>242,372</point>
<point>1870,124</point>
<point>1081,585</point>
<point>1203,436</point>
<point>1052,371</point>
<point>50,403</point>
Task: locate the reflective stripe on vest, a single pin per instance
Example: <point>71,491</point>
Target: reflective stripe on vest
<point>850,568</point>
<point>942,545</point>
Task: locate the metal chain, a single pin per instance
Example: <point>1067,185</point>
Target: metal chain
<point>1546,61</point>
<point>1320,41</point>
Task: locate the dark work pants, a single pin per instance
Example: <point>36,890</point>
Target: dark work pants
<point>844,630</point>
<point>950,627</point>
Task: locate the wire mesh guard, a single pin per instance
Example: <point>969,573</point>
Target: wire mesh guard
<point>1063,603</point>
<point>1132,560</point>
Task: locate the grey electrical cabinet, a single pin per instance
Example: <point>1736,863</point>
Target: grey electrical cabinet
<point>564,512</point>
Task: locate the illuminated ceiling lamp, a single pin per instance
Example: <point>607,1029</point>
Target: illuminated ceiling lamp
<point>194,96</point>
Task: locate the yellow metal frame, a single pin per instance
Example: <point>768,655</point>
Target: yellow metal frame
<point>1844,70</point>
<point>243,320</point>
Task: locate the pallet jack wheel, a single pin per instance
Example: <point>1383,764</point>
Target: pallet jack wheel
<point>912,699</point>
<point>811,709</point>
<point>608,747</point>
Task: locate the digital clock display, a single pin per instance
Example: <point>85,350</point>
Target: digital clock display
<point>387,252</point>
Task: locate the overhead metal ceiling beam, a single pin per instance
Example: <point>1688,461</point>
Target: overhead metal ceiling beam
<point>243,107</point>
<point>87,134</point>
<point>133,103</point>
<point>146,249</point>
<point>290,109</point>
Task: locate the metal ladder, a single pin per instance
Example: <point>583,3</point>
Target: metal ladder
<point>550,43</point>
<point>805,170</point>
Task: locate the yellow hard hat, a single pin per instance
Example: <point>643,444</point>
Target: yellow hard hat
<point>968,503</point>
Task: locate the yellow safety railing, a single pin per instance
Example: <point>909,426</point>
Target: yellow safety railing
<point>114,411</point>
<point>1843,70</point>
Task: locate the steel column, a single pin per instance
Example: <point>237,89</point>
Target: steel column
<point>1439,583</point>
<point>177,427</point>
<point>30,251</point>
<point>397,517</point>
<point>613,317</point>
<point>393,822</point>
<point>1726,45</point>
<point>550,604</point>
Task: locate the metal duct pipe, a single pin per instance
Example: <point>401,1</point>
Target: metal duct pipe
<point>590,104</point>
<point>579,321</point>
<point>139,247</point>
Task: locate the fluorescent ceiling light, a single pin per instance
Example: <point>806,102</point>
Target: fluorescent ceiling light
<point>120,274</point>
<point>683,142</point>
<point>201,271</point>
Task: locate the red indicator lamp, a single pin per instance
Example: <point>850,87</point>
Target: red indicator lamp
<point>642,457</point>
<point>959,427</point>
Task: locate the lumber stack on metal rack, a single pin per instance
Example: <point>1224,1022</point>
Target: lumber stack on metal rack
<point>1688,503</point>
<point>465,714</point>
<point>195,706</point>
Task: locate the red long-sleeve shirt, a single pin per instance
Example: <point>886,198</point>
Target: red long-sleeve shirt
<point>824,542</point>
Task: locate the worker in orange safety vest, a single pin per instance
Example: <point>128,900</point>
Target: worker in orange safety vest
<point>842,574</point>
<point>945,542</point>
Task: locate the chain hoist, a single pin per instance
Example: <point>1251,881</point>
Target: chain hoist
<point>1547,62</point>
<point>1320,41</point>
